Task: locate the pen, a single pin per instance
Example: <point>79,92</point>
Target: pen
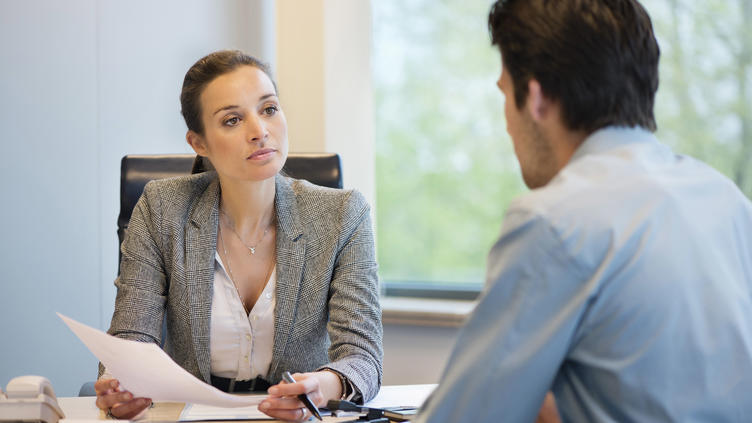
<point>303,397</point>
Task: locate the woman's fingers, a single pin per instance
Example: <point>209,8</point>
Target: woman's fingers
<point>129,410</point>
<point>109,393</point>
<point>103,386</point>
<point>120,404</point>
<point>311,386</point>
<point>284,409</point>
<point>283,402</point>
<point>110,399</point>
<point>305,384</point>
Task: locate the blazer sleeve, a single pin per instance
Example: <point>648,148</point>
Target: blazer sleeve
<point>354,326</point>
<point>142,284</point>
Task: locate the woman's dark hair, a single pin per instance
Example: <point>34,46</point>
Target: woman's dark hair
<point>598,58</point>
<point>206,70</point>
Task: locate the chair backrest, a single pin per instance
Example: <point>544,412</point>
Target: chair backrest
<point>136,170</point>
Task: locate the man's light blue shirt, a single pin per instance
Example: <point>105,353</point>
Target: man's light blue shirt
<point>624,286</point>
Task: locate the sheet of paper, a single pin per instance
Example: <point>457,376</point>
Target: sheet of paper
<point>401,396</point>
<point>200,412</point>
<point>147,371</point>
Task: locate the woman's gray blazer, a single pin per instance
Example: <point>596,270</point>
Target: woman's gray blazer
<point>327,310</point>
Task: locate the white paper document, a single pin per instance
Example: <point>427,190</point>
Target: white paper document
<point>401,396</point>
<point>200,412</point>
<point>146,370</point>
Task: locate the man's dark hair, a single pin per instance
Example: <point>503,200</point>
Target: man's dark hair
<point>598,58</point>
<point>203,72</point>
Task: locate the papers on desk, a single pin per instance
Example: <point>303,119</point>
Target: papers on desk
<point>401,396</point>
<point>147,371</point>
<point>199,412</point>
<point>388,396</point>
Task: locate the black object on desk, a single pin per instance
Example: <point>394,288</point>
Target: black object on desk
<point>373,415</point>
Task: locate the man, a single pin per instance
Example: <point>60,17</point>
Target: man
<point>622,282</point>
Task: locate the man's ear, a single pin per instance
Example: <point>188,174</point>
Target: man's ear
<point>197,142</point>
<point>538,104</point>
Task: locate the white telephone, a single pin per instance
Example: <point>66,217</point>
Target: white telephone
<point>29,399</point>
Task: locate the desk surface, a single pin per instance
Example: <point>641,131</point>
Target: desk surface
<point>83,408</point>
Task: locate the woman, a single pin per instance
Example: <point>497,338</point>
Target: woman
<point>255,273</point>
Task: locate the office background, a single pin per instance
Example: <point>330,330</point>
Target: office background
<point>84,82</point>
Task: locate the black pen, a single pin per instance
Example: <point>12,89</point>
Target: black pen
<point>303,397</point>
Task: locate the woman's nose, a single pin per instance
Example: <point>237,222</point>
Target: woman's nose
<point>256,130</point>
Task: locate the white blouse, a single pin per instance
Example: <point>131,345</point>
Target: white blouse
<point>240,345</point>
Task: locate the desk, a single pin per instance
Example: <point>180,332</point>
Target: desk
<point>83,408</point>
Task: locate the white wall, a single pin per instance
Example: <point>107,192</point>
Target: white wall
<point>324,74</point>
<point>50,192</point>
<point>416,354</point>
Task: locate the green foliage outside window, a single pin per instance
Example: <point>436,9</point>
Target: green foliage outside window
<point>445,167</point>
<point>703,104</point>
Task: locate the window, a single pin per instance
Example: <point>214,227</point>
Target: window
<point>703,105</point>
<point>445,167</point>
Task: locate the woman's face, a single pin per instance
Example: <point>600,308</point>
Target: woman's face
<point>245,131</point>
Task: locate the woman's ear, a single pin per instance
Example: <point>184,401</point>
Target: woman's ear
<point>197,142</point>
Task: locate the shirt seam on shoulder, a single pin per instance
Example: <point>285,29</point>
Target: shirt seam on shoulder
<point>537,215</point>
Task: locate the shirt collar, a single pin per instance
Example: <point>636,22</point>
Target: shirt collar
<point>611,137</point>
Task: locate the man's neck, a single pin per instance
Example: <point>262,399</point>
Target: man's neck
<point>564,143</point>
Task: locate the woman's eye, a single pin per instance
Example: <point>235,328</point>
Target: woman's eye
<point>270,110</point>
<point>232,121</point>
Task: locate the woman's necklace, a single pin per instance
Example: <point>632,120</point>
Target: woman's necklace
<point>251,248</point>
<point>232,277</point>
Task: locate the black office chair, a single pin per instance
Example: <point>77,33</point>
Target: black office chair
<point>136,171</point>
<point>323,169</point>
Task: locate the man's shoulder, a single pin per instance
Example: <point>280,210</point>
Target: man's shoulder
<point>599,187</point>
<point>564,201</point>
<point>604,202</point>
<point>579,212</point>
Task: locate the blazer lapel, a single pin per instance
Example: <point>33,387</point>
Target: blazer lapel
<point>290,260</point>
<point>200,246</point>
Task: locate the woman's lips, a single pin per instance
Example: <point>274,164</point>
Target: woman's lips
<point>262,154</point>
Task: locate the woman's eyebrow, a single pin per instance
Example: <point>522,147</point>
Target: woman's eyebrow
<point>223,108</point>
<point>265,96</point>
<point>235,106</point>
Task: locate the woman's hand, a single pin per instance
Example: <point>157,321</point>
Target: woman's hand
<point>118,403</point>
<point>283,402</point>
